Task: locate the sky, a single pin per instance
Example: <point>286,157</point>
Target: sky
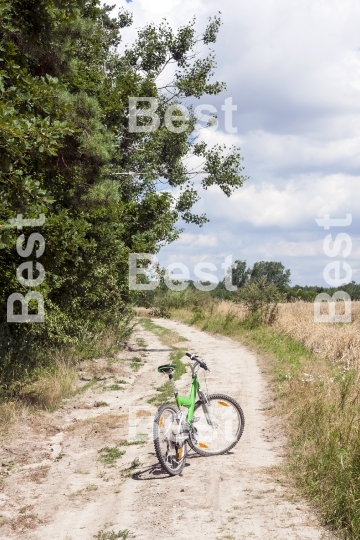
<point>292,67</point>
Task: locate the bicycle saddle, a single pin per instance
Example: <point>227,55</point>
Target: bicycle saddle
<point>166,368</point>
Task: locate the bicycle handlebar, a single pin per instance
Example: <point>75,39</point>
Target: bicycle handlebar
<point>197,359</point>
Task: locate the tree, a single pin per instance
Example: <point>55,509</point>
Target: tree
<point>274,272</point>
<point>240,273</point>
<point>67,152</point>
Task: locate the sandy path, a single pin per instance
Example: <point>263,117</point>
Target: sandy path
<point>221,497</point>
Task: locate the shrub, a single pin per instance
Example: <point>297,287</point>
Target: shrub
<point>261,299</point>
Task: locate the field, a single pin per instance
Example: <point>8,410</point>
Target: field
<point>338,343</point>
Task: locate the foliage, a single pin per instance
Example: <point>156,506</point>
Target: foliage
<point>274,272</point>
<point>241,275</point>
<point>260,298</point>
<point>66,151</point>
<point>309,293</point>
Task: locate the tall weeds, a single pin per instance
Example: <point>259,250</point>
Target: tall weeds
<point>324,430</point>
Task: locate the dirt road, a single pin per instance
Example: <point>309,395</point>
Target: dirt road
<point>58,486</point>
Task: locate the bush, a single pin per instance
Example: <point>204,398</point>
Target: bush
<point>164,300</point>
<point>261,299</point>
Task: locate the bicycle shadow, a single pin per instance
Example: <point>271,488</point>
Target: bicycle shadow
<point>154,471</point>
<point>157,471</point>
<point>139,349</point>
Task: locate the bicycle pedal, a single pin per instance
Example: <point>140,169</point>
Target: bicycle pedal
<point>196,418</point>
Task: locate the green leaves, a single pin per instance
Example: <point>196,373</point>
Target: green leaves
<point>224,169</point>
<point>66,150</point>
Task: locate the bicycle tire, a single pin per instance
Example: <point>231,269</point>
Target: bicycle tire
<point>203,436</point>
<point>171,456</point>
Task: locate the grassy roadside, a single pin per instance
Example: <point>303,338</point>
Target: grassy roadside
<point>319,402</point>
<point>56,377</point>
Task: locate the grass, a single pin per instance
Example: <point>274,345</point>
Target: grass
<point>51,386</point>
<point>165,392</point>
<point>10,411</point>
<point>39,375</point>
<point>39,474</point>
<point>85,387</point>
<point>136,463</point>
<point>167,337</point>
<point>101,404</point>
<point>128,472</point>
<point>92,487</point>
<point>131,443</point>
<point>136,363</point>
<point>114,386</point>
<point>110,454</point>
<point>320,403</point>
<point>112,535</point>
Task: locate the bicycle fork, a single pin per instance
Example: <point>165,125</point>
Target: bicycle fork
<point>207,409</point>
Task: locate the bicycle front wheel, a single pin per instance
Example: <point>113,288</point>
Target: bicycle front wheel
<point>217,426</point>
<point>171,455</point>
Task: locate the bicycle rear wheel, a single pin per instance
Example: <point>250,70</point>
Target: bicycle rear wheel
<point>219,431</point>
<point>172,456</point>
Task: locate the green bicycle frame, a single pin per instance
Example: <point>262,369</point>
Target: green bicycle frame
<point>189,402</point>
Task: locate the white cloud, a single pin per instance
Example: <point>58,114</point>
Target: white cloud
<point>297,204</point>
<point>293,69</point>
<point>198,240</point>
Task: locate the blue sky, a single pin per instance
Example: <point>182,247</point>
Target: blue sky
<point>293,69</point>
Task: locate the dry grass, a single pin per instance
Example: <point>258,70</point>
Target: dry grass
<point>10,411</point>
<point>25,521</point>
<point>100,368</point>
<point>339,343</point>
<point>51,387</point>
<point>38,474</point>
<point>334,341</point>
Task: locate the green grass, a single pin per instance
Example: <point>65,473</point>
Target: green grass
<point>110,454</point>
<point>165,392</point>
<point>131,443</point>
<point>114,387</point>
<point>92,487</point>
<point>136,363</point>
<point>129,472</point>
<point>289,353</point>
<point>168,337</point>
<point>136,463</point>
<point>141,342</point>
<point>86,386</point>
<point>112,535</point>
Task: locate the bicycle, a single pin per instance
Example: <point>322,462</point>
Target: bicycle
<point>219,422</point>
